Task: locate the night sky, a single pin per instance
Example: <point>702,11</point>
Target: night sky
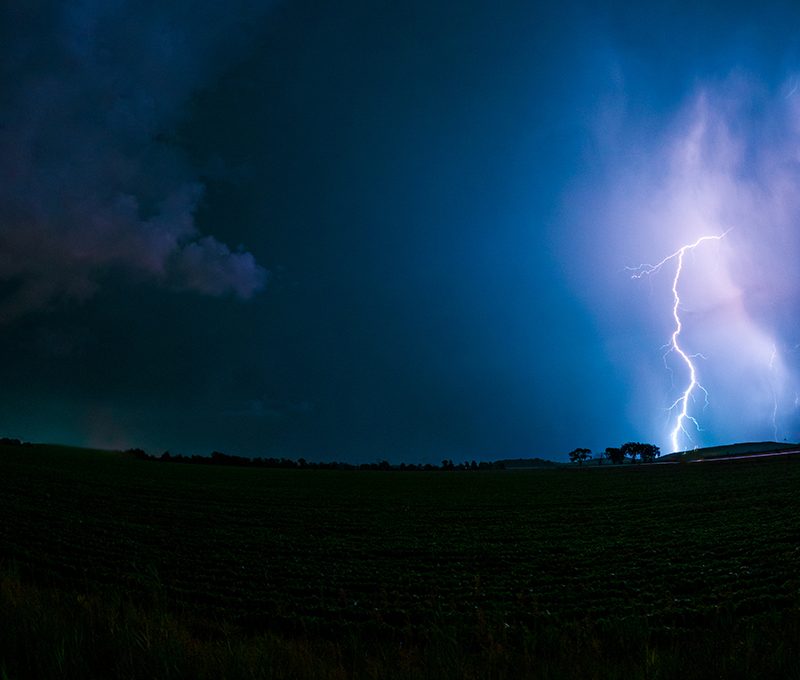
<point>367,230</point>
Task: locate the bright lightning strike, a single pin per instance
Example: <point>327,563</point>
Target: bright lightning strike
<point>774,394</point>
<point>681,404</point>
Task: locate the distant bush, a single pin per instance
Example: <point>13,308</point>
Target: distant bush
<point>137,453</point>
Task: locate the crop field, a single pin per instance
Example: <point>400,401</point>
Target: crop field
<point>634,571</point>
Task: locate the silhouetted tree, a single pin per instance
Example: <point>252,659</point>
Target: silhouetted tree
<point>649,452</point>
<point>646,452</point>
<point>615,454</point>
<point>630,450</point>
<point>580,455</point>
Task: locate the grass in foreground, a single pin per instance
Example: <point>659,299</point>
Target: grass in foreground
<point>173,571</point>
<point>68,634</point>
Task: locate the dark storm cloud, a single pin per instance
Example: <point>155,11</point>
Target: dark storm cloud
<point>90,181</point>
<point>448,192</point>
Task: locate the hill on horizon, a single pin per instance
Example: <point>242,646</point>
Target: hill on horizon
<point>740,449</point>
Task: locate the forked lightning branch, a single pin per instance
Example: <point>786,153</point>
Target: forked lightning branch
<point>681,405</point>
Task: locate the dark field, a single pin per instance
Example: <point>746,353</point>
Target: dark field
<point>164,570</point>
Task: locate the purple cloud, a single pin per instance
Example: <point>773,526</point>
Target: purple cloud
<point>210,267</point>
<point>724,160</point>
<point>88,183</point>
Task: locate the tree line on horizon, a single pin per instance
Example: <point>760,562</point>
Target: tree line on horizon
<point>219,458</point>
<point>647,453</point>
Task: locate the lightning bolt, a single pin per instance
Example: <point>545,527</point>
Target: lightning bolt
<point>774,393</point>
<point>681,404</point>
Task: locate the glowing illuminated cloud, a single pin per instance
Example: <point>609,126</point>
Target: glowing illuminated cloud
<point>727,157</point>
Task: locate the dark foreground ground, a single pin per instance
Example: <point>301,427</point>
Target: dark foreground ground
<point>116,567</point>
